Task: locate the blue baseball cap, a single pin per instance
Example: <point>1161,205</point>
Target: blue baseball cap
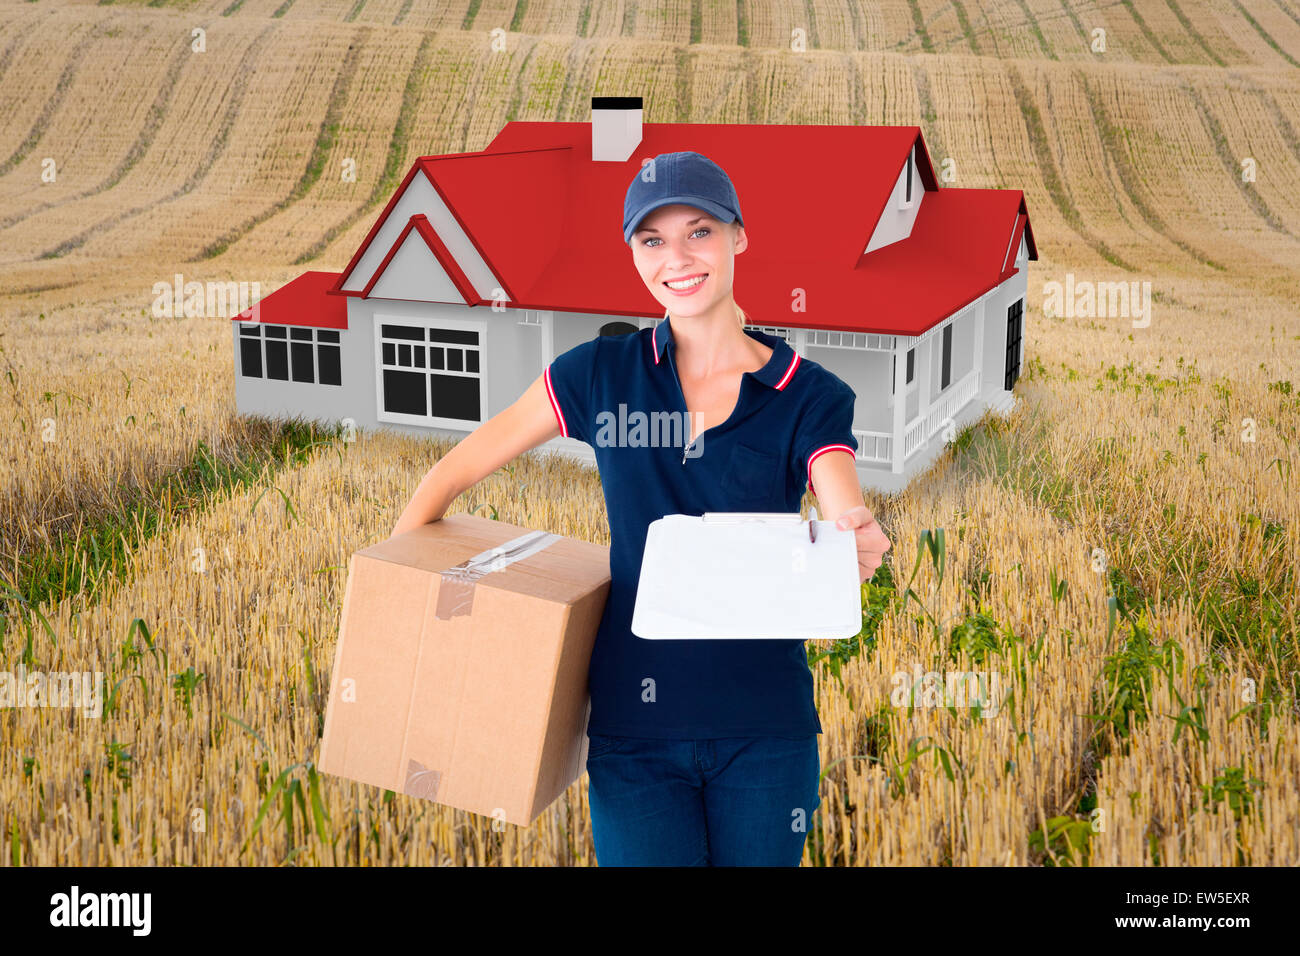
<point>684,177</point>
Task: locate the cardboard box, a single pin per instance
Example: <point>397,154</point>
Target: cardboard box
<point>461,675</point>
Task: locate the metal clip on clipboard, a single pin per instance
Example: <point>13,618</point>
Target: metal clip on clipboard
<point>766,517</point>
<point>747,575</point>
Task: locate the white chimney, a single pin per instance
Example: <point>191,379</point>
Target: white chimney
<point>615,127</point>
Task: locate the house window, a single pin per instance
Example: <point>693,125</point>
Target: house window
<point>250,351</point>
<point>1015,312</point>
<point>329,365</point>
<point>911,363</point>
<point>289,353</point>
<point>946,371</point>
<point>277,352</point>
<point>617,328</point>
<point>300,348</point>
<point>431,372</point>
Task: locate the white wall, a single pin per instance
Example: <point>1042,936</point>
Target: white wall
<point>415,273</point>
<point>995,330</point>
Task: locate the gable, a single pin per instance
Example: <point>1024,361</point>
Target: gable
<point>1012,261</point>
<point>418,196</point>
<point>413,271</point>
<point>904,202</point>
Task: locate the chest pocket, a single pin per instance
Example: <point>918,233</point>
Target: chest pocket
<point>752,475</point>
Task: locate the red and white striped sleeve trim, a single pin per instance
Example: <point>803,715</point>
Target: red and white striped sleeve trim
<point>555,403</point>
<point>818,453</point>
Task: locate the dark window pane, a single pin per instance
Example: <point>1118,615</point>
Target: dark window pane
<point>300,334</point>
<point>327,335</point>
<point>911,362</point>
<point>327,357</point>
<point>404,355</point>
<point>457,336</point>
<point>455,396</point>
<point>435,357</point>
<point>402,332</point>
<point>454,357</point>
<point>250,357</point>
<point>275,331</point>
<point>405,392</point>
<point>419,356</point>
<point>617,328</point>
<point>1012,371</point>
<point>390,353</point>
<point>471,360</point>
<point>250,330</point>
<point>302,367</point>
<point>277,361</point>
<point>947,356</point>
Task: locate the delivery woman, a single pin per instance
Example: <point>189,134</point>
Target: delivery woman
<point>701,752</point>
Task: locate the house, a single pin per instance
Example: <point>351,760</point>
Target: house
<point>484,266</point>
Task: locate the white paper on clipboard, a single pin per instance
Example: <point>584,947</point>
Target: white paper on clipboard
<point>747,575</point>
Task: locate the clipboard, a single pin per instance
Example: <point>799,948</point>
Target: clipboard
<point>747,575</point>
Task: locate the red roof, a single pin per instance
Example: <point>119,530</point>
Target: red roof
<point>953,256</point>
<point>547,220</point>
<point>302,301</point>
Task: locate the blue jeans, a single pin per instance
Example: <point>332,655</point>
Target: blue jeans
<point>729,801</point>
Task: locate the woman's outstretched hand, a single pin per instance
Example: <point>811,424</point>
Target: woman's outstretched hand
<point>871,540</point>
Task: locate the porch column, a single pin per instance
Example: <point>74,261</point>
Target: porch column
<point>900,404</point>
<point>979,311</point>
<point>548,337</point>
<point>923,375</point>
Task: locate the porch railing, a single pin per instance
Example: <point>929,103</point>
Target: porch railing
<point>877,447</point>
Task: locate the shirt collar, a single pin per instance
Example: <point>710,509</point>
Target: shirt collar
<point>776,373</point>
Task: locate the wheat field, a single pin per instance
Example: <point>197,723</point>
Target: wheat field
<point>1120,551</point>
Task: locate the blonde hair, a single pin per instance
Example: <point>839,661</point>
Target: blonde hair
<point>740,314</point>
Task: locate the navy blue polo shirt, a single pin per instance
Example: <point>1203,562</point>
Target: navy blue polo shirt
<point>622,396</point>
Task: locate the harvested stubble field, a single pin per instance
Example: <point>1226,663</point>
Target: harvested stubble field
<point>1121,552</point>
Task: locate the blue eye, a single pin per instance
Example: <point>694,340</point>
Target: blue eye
<point>650,239</point>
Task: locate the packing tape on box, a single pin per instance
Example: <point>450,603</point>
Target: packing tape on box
<point>421,781</point>
<point>456,592</point>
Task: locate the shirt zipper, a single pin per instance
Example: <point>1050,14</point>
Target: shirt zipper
<point>676,378</point>
<point>687,411</point>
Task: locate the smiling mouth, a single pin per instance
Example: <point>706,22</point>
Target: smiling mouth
<point>679,285</point>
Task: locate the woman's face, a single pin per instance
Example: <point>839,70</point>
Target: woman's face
<point>684,242</point>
